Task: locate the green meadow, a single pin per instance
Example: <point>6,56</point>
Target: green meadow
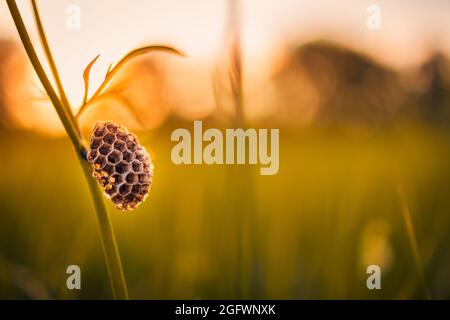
<point>345,197</point>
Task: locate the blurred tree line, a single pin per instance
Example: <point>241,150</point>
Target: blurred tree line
<point>319,82</point>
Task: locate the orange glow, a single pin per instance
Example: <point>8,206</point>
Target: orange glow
<point>112,29</point>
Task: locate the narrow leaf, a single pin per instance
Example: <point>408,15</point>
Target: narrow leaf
<point>143,50</point>
<point>133,54</point>
<point>86,78</point>
<point>109,70</point>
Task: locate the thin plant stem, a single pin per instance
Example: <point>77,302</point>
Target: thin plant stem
<point>52,64</point>
<point>111,252</point>
<point>237,91</point>
<point>236,61</point>
<point>26,41</point>
<point>112,70</point>
<point>406,213</point>
<point>109,244</point>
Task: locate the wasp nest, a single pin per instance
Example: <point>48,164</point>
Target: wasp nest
<point>122,166</point>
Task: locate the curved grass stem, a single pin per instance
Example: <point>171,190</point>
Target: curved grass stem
<point>70,124</point>
<point>112,70</point>
<point>52,64</point>
<point>109,244</point>
<point>26,41</point>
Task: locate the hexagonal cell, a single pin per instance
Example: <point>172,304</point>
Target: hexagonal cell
<point>143,178</point>
<point>141,155</point>
<point>131,145</point>
<point>137,166</point>
<point>124,189</point>
<point>109,138</point>
<point>114,157</point>
<point>92,154</point>
<point>136,189</point>
<point>100,131</point>
<point>116,178</point>
<point>128,156</point>
<point>111,189</point>
<point>120,145</point>
<point>122,136</point>
<point>129,198</point>
<point>103,181</point>
<point>111,128</point>
<point>95,142</point>
<point>109,169</point>
<point>117,199</point>
<point>104,149</point>
<point>140,197</point>
<point>133,137</point>
<point>145,188</point>
<point>148,168</point>
<point>132,178</point>
<point>99,162</point>
<point>122,167</point>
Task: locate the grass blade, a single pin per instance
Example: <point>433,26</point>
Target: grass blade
<point>86,74</point>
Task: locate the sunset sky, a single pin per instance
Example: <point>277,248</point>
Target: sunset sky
<point>111,28</point>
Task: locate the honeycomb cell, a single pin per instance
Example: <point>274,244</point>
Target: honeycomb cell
<point>109,138</point>
<point>122,136</point>
<point>136,189</point>
<point>124,189</point>
<point>129,198</point>
<point>109,169</point>
<point>112,127</point>
<point>120,145</point>
<point>92,154</point>
<point>96,143</point>
<point>131,145</point>
<point>99,162</point>
<point>148,168</point>
<point>104,149</point>
<point>143,178</point>
<point>103,181</point>
<point>111,189</point>
<point>122,167</point>
<point>128,156</point>
<point>141,155</point>
<point>117,199</point>
<point>100,131</point>
<point>137,166</point>
<point>116,178</point>
<point>132,178</point>
<point>114,157</point>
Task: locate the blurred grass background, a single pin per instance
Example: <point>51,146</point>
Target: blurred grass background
<point>308,232</point>
<point>364,120</point>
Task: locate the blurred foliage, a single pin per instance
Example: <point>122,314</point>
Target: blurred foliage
<point>308,232</point>
<point>354,134</point>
